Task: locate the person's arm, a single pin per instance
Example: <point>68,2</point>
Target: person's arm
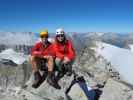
<point>36,50</point>
<point>57,52</point>
<point>51,52</point>
<point>71,51</point>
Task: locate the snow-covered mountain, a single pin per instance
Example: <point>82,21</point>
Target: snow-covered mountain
<point>119,58</point>
<point>10,54</point>
<point>19,41</point>
<point>17,38</point>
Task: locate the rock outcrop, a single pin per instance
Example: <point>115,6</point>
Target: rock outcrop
<point>95,69</point>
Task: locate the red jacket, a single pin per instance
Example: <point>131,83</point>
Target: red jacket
<point>66,49</point>
<point>39,50</point>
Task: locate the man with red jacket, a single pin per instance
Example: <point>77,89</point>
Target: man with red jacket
<point>65,53</point>
<point>43,50</point>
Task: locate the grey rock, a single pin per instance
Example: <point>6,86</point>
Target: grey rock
<point>115,90</point>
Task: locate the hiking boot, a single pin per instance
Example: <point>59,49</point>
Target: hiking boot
<point>37,80</point>
<point>51,80</point>
<point>68,69</point>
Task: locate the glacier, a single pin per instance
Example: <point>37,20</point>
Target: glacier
<point>121,59</point>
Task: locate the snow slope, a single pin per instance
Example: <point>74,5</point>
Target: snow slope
<point>10,54</point>
<point>131,47</point>
<point>121,59</point>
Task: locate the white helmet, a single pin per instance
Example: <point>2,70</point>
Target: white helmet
<point>60,31</point>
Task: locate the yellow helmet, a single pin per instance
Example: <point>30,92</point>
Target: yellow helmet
<point>44,34</point>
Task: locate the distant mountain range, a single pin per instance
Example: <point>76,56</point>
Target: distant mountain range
<point>117,39</point>
<point>23,41</point>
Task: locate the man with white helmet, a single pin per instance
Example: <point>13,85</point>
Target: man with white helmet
<point>65,52</point>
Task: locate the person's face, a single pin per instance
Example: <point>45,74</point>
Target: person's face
<point>60,37</point>
<point>44,40</point>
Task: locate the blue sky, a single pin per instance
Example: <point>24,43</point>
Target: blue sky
<point>72,15</point>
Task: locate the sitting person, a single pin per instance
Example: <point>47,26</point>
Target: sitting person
<point>65,52</point>
<point>43,50</point>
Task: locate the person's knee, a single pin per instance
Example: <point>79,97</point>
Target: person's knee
<point>50,58</point>
<point>58,59</point>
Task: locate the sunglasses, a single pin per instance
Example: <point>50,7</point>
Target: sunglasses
<point>61,35</point>
<point>42,36</point>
